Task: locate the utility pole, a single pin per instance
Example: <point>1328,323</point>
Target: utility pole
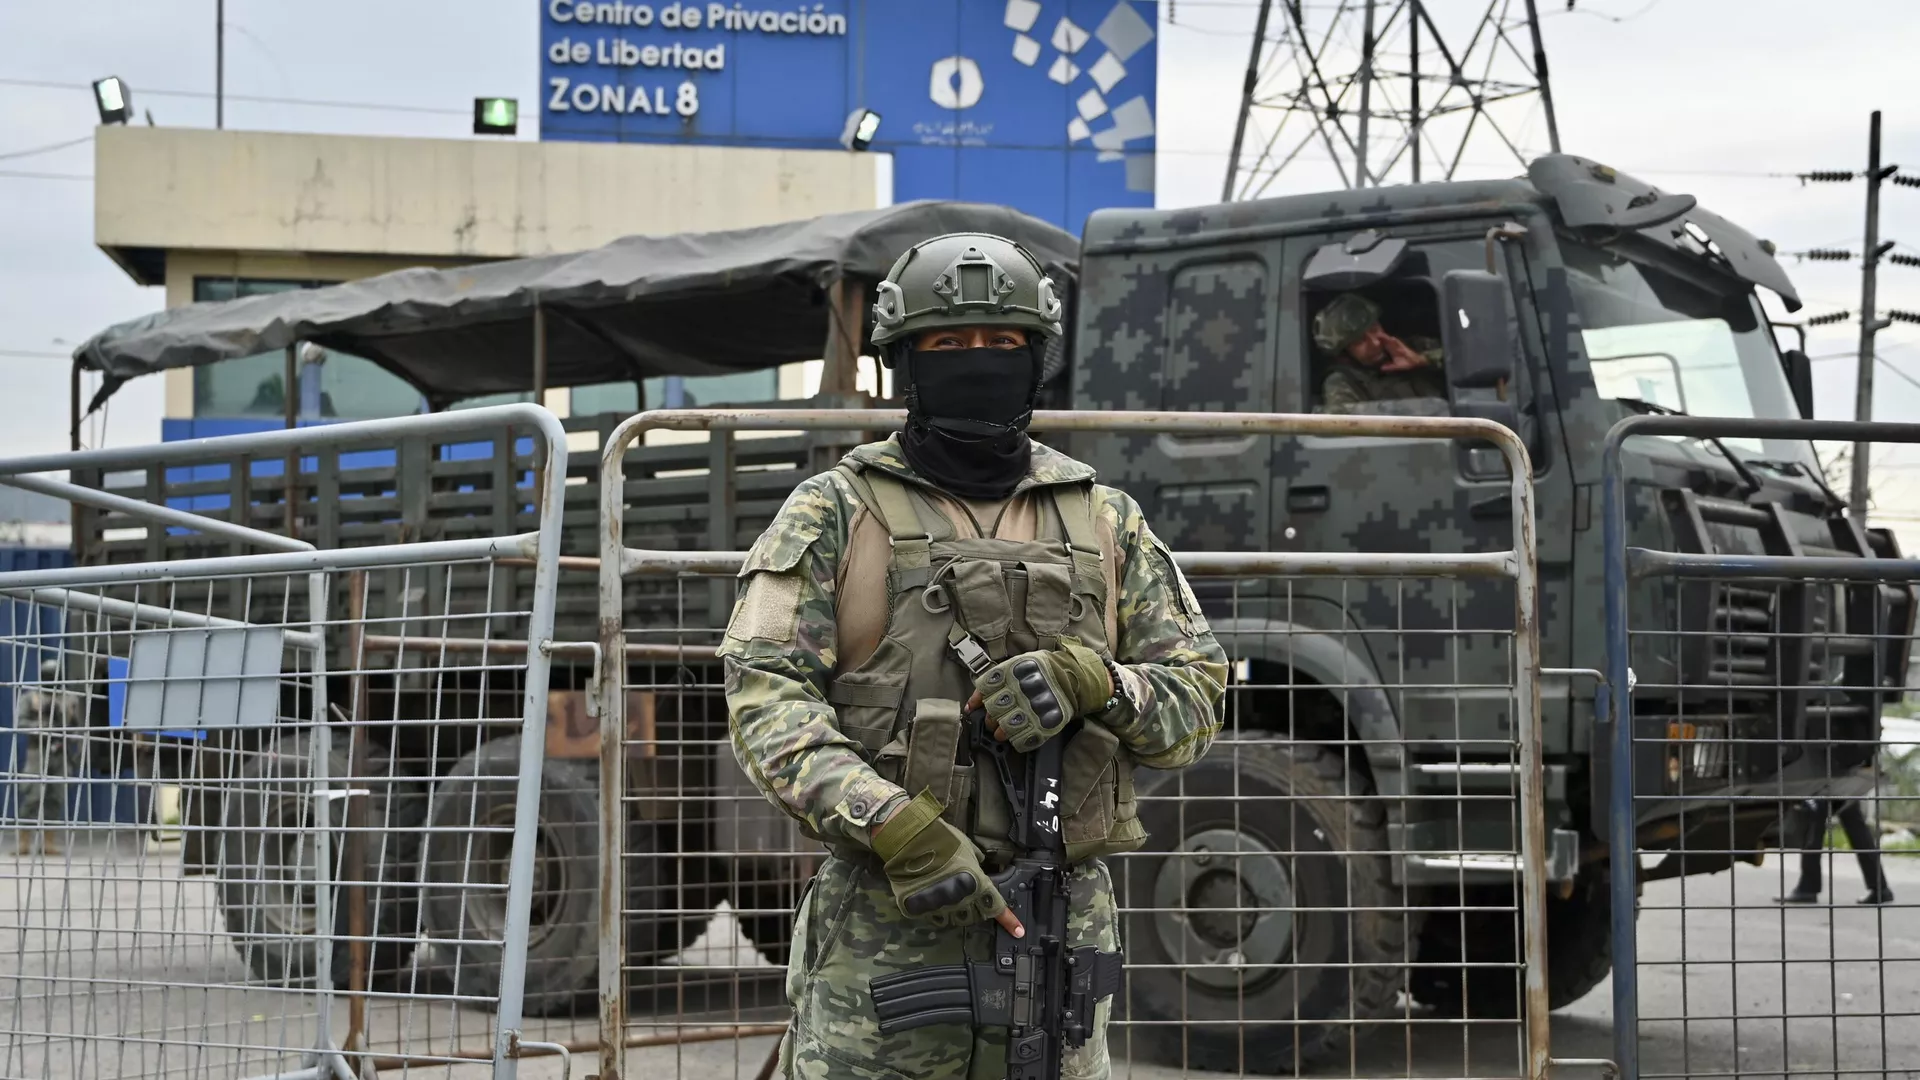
<point>219,63</point>
<point>1870,323</point>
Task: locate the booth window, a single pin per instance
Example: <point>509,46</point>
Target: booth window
<point>678,392</point>
<point>349,387</point>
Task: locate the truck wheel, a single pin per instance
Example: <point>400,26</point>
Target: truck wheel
<point>265,866</point>
<point>1320,934</point>
<point>471,843</point>
<point>1579,951</point>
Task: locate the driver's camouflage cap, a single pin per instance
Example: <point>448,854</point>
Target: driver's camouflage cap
<point>1342,321</point>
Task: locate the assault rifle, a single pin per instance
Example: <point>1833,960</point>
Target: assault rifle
<point>1036,987</point>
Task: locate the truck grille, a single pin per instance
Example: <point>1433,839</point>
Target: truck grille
<point>1756,671</point>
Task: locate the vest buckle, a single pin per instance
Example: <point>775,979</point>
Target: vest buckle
<point>972,654</point>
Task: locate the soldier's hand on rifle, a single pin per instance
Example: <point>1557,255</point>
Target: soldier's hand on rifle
<point>935,870</point>
<point>1030,697</point>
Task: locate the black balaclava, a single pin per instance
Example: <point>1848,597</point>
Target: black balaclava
<point>967,415</point>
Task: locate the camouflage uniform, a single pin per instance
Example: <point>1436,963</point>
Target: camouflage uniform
<point>812,744</point>
<point>1356,388</point>
<point>1351,387</point>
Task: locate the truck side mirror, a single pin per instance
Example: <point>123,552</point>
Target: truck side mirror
<point>1477,332</point>
<point>1476,329</point>
<point>1800,380</point>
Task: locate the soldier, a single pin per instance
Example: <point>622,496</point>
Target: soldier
<point>1372,370</point>
<point>954,556</point>
<point>48,722</point>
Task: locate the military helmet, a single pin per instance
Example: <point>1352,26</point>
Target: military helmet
<point>1341,323</point>
<point>965,279</point>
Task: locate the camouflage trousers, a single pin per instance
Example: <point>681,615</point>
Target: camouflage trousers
<point>849,929</point>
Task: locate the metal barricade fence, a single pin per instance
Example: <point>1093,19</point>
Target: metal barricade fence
<point>253,827</point>
<point>1751,658</point>
<point>1352,881</point>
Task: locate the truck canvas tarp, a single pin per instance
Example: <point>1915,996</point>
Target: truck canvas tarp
<point>689,304</point>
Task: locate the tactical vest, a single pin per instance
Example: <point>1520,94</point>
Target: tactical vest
<point>955,606</point>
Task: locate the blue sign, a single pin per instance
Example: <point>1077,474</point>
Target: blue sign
<point>1045,105</point>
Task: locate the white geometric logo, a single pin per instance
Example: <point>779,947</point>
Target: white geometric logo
<point>956,83</point>
<point>1121,33</point>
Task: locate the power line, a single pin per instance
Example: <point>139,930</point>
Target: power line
<point>1888,364</point>
<point>376,106</point>
<point>8,174</point>
<point>47,149</point>
<point>1571,10</point>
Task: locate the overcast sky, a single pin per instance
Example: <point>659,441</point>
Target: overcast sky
<point>1703,96</point>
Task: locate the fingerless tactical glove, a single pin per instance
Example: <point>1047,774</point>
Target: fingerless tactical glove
<point>1033,695</point>
<point>934,869</point>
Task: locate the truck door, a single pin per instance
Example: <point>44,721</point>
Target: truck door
<point>1382,493</point>
<point>1191,332</point>
<point>1395,494</point>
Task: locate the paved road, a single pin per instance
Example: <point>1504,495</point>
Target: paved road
<point>1755,981</point>
<point>1792,1008</point>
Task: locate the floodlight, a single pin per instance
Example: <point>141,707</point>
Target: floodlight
<point>496,115</point>
<point>862,125</point>
<point>113,99</point>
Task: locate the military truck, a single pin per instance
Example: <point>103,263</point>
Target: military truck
<point>1613,297</point>
<point>1624,298</point>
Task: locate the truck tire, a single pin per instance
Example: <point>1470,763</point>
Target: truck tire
<point>264,863</point>
<point>1579,951</point>
<point>470,843</point>
<point>1318,892</point>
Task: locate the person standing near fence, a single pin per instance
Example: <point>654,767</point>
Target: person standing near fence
<point>1809,819</point>
<point>48,721</point>
<point>958,565</point>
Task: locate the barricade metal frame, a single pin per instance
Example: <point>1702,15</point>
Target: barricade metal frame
<point>290,556</point>
<point>1624,564</point>
<point>616,561</point>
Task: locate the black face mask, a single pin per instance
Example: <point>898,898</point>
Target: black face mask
<point>967,414</point>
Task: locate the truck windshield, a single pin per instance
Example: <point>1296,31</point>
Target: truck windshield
<point>1656,337</point>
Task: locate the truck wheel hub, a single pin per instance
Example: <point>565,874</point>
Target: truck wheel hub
<point>1223,903</point>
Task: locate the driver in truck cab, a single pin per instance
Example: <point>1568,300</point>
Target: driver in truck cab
<point>1372,371</point>
<point>957,565</point>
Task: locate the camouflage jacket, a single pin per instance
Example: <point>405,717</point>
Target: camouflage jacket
<point>785,734</point>
<point>1351,388</point>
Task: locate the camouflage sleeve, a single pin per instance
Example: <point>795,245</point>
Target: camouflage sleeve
<point>1428,347</point>
<point>1340,392</point>
<point>779,653</point>
<point>1176,672</point>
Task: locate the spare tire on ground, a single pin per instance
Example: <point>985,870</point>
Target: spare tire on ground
<point>266,860</point>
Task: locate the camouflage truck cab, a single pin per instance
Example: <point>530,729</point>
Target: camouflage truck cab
<point>1624,299</point>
